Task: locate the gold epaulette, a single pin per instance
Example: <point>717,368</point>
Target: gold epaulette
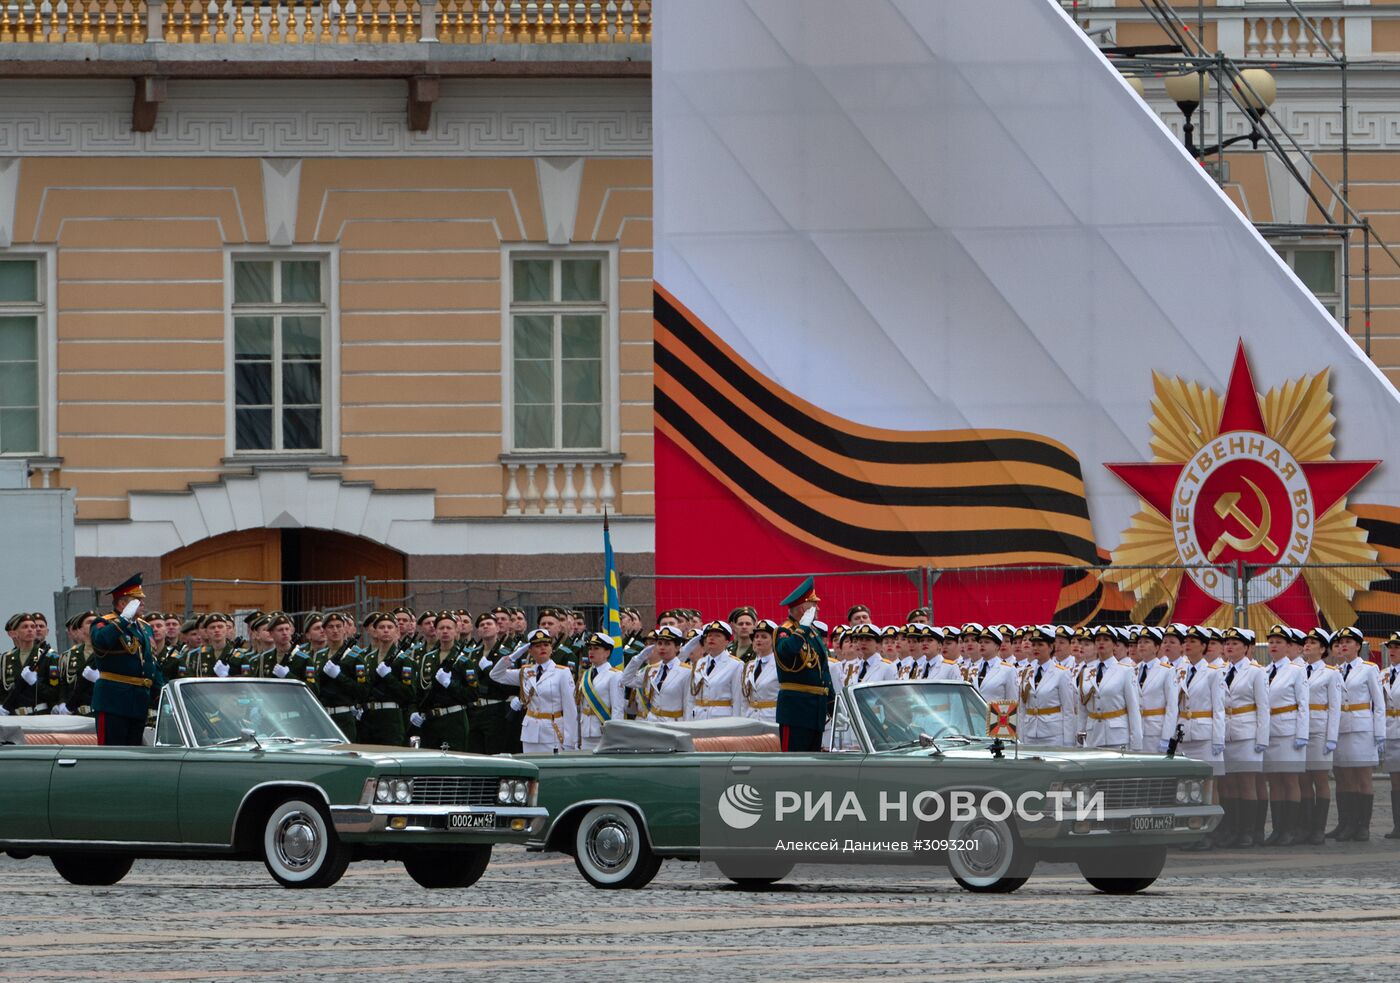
<point>1008,662</point>
<point>684,665</point>
<point>1060,665</point>
<point>888,662</point>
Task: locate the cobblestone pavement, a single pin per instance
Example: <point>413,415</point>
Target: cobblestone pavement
<point>1298,913</point>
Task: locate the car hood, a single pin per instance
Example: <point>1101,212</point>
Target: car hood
<point>388,758</point>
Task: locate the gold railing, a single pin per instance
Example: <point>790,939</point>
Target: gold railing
<point>329,22</point>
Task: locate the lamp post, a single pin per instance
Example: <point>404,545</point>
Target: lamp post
<point>1254,89</point>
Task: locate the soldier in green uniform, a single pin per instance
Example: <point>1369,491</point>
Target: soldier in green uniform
<point>80,667</point>
<point>277,661</point>
<point>306,659</point>
<point>212,657</point>
<point>20,628</point>
<point>342,675</point>
<point>554,621</point>
<point>806,696</point>
<point>38,686</point>
<point>407,625</point>
<point>490,731</point>
<point>742,620</point>
<point>440,712</point>
<point>388,697</point>
<point>127,669</point>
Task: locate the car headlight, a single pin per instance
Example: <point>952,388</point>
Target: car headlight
<point>383,791</point>
<point>403,791</point>
<point>520,792</point>
<point>1198,792</point>
<point>503,796</point>
<point>1190,790</point>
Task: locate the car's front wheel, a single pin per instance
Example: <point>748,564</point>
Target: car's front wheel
<point>987,856</point>
<point>611,850</point>
<point>458,867</point>
<point>300,849</point>
<point>91,869</point>
<point>1123,871</point>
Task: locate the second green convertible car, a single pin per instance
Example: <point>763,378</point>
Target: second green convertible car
<point>254,769</point>
<point>912,778</point>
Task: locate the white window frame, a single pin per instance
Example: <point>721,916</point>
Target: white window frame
<point>45,314</point>
<point>612,423</point>
<point>1335,302</point>
<point>330,351</point>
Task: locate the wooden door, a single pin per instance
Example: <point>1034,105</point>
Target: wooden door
<point>250,555</point>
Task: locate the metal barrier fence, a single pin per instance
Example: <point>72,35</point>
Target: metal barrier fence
<point>1331,595</point>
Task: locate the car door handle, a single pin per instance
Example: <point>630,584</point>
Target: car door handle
<point>67,762</point>
<point>741,769</point>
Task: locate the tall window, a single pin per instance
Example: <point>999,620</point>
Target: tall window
<point>1319,267</point>
<point>279,323</point>
<point>558,325</point>
<point>21,310</point>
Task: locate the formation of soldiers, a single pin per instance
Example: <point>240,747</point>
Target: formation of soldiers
<point>1276,730</point>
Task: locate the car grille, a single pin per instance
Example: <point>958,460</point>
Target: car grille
<point>444,790</point>
<point>1136,793</point>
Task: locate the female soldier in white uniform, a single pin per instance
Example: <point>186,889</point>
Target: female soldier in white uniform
<point>1324,715</point>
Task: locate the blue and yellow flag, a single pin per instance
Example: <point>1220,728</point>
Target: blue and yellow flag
<point>612,601</point>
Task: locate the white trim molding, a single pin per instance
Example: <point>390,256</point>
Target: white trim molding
<point>329,119</point>
<point>294,498</point>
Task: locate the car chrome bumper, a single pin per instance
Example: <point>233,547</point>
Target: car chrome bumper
<point>512,821</point>
<point>1119,822</point>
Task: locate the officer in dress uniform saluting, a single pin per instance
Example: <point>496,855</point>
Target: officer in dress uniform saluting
<point>806,695</point>
<point>127,669</point>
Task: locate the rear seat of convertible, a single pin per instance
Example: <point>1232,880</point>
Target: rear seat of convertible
<point>42,737</point>
<point>737,742</point>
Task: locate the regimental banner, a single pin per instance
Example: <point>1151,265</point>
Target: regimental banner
<point>929,296</point>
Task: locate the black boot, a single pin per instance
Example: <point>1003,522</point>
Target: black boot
<point>1394,834</point>
<point>1361,826</point>
<point>1320,808</point>
<point>1343,826</point>
<point>1224,834</point>
<point>1298,829</point>
<point>1279,807</point>
<point>1245,838</point>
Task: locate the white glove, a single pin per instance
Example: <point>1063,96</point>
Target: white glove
<point>1260,748</point>
<point>1162,745</point>
<point>280,671</point>
<point>485,664</point>
<point>1217,749</point>
<point>29,676</point>
<point>443,677</point>
<point>382,670</point>
<point>62,710</point>
<point>331,669</point>
<point>220,668</point>
<point>357,712</point>
<point>91,674</point>
<point>808,616</point>
<point>132,606</point>
<point>1299,743</point>
<point>1329,747</point>
<point>416,719</point>
<point>4,712</point>
<point>516,705</point>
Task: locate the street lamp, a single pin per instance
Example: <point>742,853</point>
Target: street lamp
<point>1253,88</point>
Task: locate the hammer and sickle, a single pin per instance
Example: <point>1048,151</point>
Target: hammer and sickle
<point>1227,505</point>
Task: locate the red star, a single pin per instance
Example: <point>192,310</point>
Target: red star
<point>1329,481</point>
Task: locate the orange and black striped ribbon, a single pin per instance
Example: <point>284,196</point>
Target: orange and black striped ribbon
<point>952,498</point>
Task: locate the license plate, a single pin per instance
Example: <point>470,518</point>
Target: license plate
<point>1145,824</point>
<point>471,820</point>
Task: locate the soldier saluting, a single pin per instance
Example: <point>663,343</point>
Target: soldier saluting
<point>127,669</point>
<point>805,693</point>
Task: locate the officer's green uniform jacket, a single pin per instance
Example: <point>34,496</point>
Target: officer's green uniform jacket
<point>10,664</point>
<point>305,665</point>
<point>805,693</point>
<point>77,690</point>
<point>172,663</point>
<point>200,663</point>
<point>347,689</point>
<point>566,653</point>
<point>256,664</point>
<point>129,672</point>
<point>432,698</point>
<point>387,726</point>
<point>47,691</point>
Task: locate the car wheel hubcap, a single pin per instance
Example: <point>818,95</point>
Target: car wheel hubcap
<point>988,857</point>
<point>609,845</point>
<point>298,841</point>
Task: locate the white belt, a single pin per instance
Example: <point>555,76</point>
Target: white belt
<point>381,706</point>
<point>444,711</point>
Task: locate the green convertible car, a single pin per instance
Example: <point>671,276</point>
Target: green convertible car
<point>912,778</point>
<point>255,769</point>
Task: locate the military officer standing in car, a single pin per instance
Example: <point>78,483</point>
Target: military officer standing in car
<point>806,696</point>
<point>127,669</point>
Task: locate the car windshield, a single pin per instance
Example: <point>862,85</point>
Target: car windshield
<point>895,715</point>
<point>219,712</point>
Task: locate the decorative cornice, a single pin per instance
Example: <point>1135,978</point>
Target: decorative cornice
<point>329,119</point>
